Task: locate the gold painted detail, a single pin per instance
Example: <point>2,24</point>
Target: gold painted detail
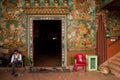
<point>46,10</point>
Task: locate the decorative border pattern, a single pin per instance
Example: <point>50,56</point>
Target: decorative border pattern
<point>30,34</point>
<point>46,10</point>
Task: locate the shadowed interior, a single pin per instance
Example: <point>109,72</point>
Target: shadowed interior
<point>47,43</point>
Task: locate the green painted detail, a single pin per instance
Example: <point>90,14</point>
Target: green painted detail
<point>32,2</point>
<point>61,3</point>
<point>51,2</point>
<point>42,3</point>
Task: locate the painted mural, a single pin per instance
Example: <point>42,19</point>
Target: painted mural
<point>113,24</point>
<point>105,2</point>
<point>12,25</point>
<point>112,21</point>
<point>81,26</point>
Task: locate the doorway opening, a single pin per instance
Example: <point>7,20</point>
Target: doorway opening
<point>47,49</point>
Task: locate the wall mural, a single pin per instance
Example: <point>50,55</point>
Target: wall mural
<point>81,26</point>
<point>13,30</point>
<point>113,24</point>
<point>12,25</point>
<point>112,21</point>
<point>105,2</point>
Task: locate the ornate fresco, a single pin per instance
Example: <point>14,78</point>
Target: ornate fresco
<point>112,20</point>
<point>80,23</point>
<point>104,2</point>
<point>81,26</point>
<point>113,24</point>
<point>12,25</point>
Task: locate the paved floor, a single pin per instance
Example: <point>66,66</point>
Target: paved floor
<point>81,75</point>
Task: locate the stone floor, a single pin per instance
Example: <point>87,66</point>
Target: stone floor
<point>80,75</point>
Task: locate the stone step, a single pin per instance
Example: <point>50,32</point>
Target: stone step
<point>116,62</point>
<point>117,74</point>
<point>118,54</point>
<point>114,66</point>
<point>117,58</point>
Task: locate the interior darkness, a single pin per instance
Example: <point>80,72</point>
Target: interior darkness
<point>47,43</point>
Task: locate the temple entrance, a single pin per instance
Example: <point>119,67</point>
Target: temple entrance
<point>47,50</point>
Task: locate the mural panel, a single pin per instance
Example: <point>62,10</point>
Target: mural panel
<point>81,26</point>
<point>12,25</point>
<point>113,24</point>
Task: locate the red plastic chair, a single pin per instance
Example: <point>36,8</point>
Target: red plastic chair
<point>80,60</point>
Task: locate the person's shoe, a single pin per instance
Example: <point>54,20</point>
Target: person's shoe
<point>12,73</point>
<point>16,74</point>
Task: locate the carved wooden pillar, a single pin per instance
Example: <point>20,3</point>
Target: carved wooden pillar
<point>101,47</point>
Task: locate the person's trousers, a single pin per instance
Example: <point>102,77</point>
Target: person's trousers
<point>14,65</point>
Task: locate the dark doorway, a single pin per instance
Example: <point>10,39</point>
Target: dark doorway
<point>47,43</point>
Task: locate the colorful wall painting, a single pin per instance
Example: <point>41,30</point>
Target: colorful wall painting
<point>81,26</point>
<point>113,24</point>
<point>12,25</point>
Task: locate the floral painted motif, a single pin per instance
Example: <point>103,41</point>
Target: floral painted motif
<point>12,35</point>
<point>12,25</point>
<point>113,24</point>
<point>81,27</point>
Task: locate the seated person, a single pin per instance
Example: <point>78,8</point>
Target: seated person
<point>16,59</point>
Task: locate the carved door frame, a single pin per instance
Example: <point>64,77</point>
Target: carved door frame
<point>63,35</point>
